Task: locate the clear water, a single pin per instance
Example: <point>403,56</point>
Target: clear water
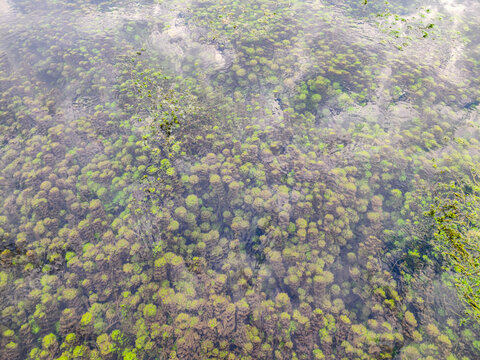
<point>234,180</point>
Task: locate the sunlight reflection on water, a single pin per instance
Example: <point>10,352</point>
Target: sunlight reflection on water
<point>5,8</point>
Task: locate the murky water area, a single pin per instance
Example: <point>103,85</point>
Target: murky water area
<point>233,179</point>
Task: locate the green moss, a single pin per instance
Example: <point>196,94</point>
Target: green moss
<point>149,311</point>
<point>87,319</point>
<point>3,279</point>
<point>291,228</point>
<point>71,338</point>
<point>104,344</point>
<point>212,323</point>
<point>70,294</point>
<point>129,355</point>
<point>8,333</point>
<point>192,201</point>
<point>410,319</point>
<point>11,346</point>
<point>49,341</point>
<point>173,226</point>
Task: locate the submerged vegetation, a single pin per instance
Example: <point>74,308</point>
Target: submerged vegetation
<point>455,211</point>
<point>262,180</point>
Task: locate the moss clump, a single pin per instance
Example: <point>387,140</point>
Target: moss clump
<point>192,202</point>
<point>70,294</point>
<point>3,279</point>
<point>149,311</point>
<point>410,319</point>
<point>49,340</point>
<point>160,262</point>
<point>11,346</point>
<point>87,319</point>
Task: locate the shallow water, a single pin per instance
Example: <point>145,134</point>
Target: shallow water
<point>238,180</point>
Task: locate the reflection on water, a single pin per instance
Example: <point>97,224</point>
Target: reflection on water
<point>4,7</point>
<point>194,179</point>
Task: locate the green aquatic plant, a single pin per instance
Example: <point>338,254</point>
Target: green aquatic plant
<point>280,205</point>
<point>455,214</point>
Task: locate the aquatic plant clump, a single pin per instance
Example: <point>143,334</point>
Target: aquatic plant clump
<point>238,180</point>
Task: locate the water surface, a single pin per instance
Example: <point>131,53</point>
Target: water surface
<point>234,180</point>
